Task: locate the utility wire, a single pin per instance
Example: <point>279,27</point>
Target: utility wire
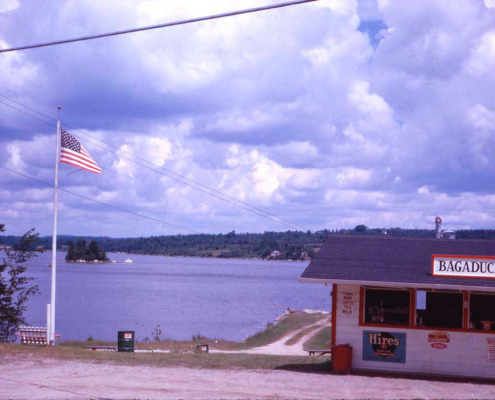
<point>29,108</point>
<point>182,179</point>
<point>26,113</point>
<point>195,185</point>
<point>165,25</point>
<point>98,201</point>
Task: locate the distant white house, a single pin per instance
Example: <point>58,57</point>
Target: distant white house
<point>275,253</point>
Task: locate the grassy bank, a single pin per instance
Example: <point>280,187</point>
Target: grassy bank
<point>169,353</point>
<point>75,351</point>
<point>288,323</point>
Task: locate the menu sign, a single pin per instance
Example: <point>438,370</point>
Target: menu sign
<point>463,266</point>
<point>490,350</point>
<point>347,305</point>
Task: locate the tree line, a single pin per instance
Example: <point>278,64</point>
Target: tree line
<point>288,245</point>
<point>16,288</point>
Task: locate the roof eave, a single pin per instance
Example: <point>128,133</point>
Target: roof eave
<point>438,286</point>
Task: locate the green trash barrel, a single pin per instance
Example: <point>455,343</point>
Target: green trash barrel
<point>125,341</point>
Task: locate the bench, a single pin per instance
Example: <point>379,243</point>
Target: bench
<point>114,348</point>
<point>202,348</point>
<point>33,335</point>
<point>318,352</point>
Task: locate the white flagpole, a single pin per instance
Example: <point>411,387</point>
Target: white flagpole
<point>51,327</point>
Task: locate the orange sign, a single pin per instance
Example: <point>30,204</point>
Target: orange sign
<point>439,340</point>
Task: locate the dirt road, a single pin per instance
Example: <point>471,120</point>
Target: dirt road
<point>52,379</point>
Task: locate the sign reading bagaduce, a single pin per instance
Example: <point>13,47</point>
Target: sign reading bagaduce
<point>384,346</point>
<point>463,266</point>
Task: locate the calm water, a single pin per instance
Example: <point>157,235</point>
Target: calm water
<point>218,298</point>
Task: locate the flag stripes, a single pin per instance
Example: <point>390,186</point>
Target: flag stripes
<point>73,153</point>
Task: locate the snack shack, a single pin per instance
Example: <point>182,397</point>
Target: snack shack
<point>411,305</point>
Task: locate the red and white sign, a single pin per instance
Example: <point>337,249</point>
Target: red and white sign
<point>347,305</point>
<point>439,340</point>
<point>490,350</point>
<point>463,266</point>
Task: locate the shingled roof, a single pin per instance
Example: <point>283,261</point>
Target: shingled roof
<point>388,261</point>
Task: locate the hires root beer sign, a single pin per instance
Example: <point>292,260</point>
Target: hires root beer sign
<point>463,266</point>
<point>384,346</point>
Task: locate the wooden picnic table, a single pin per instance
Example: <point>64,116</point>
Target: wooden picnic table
<point>318,352</point>
<point>114,348</point>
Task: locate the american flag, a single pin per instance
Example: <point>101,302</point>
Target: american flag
<point>73,153</point>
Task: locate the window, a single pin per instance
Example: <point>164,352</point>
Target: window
<point>482,312</point>
<point>435,309</point>
<point>387,306</point>
<point>439,309</point>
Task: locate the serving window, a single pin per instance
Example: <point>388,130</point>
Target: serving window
<point>428,309</point>
<point>387,306</point>
<point>439,309</point>
<point>482,311</point>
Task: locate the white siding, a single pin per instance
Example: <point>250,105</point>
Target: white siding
<point>465,354</point>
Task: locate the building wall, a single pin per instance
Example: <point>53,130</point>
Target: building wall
<point>465,355</point>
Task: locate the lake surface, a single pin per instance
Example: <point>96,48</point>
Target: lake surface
<point>218,298</point>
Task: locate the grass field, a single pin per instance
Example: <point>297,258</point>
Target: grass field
<point>75,351</point>
<point>181,353</point>
<point>321,339</point>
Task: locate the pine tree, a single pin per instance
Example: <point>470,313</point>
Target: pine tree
<point>15,288</point>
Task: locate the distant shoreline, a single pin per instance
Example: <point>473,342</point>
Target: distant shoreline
<point>173,256</point>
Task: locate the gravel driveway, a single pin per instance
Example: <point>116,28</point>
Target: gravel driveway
<point>52,379</point>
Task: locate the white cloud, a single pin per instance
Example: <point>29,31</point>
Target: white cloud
<point>290,109</point>
<point>482,135</point>
<point>354,176</point>
<point>8,5</point>
<point>241,121</point>
<point>365,102</point>
<point>482,60</point>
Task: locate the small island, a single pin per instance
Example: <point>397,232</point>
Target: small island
<point>80,252</point>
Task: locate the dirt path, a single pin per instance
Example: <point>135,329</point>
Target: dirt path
<point>50,379</point>
<point>280,347</point>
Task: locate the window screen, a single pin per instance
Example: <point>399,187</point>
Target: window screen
<point>482,312</point>
<point>388,307</point>
<point>439,309</point>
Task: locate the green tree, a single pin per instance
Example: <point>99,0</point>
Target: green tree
<point>81,249</point>
<point>15,286</point>
<point>82,252</point>
<point>360,228</point>
<point>93,251</point>
<point>71,252</point>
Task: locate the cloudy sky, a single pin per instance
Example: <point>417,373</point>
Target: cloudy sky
<point>323,115</point>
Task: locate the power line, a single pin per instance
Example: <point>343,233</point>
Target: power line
<point>98,201</point>
<point>165,25</point>
<point>182,179</point>
<point>26,113</point>
<point>29,108</point>
<point>196,185</point>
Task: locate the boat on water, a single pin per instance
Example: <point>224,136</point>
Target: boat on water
<point>128,260</point>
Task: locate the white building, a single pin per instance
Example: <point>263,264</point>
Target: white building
<point>412,305</point>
